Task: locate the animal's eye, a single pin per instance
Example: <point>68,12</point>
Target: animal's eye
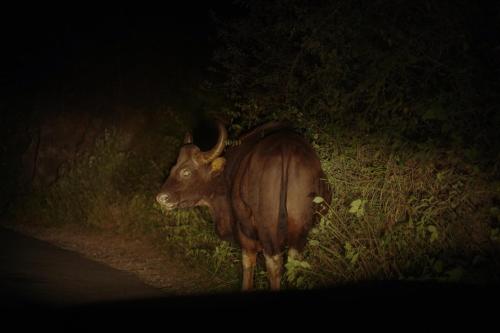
<point>185,173</point>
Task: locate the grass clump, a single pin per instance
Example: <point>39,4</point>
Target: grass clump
<point>191,235</point>
<point>405,127</point>
<point>399,211</point>
<point>102,189</point>
<point>400,214</point>
<point>113,186</point>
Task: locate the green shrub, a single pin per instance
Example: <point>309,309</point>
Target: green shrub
<point>112,188</point>
<point>401,110</point>
<point>417,70</point>
<point>403,115</point>
<point>191,234</point>
<point>398,216</point>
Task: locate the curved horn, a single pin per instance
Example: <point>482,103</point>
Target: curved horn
<point>188,138</point>
<point>212,154</point>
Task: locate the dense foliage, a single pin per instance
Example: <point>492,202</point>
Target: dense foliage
<point>400,99</point>
<point>112,188</point>
<point>421,70</point>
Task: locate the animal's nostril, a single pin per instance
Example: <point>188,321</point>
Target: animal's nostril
<point>162,198</point>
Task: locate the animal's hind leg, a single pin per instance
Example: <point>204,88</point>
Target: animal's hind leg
<point>249,259</point>
<point>249,250</point>
<point>273,266</point>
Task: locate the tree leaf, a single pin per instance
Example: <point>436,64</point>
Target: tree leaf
<point>438,266</point>
<point>305,265</point>
<point>318,200</point>
<point>434,232</point>
<point>354,258</point>
<point>455,274</point>
<point>358,207</point>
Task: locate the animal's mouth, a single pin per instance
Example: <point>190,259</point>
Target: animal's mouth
<point>185,204</point>
<point>177,205</point>
<point>166,202</point>
<point>169,206</point>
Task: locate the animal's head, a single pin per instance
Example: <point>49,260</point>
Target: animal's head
<point>192,178</point>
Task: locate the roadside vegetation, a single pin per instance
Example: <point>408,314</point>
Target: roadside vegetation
<point>110,189</point>
<point>400,103</point>
<point>399,100</point>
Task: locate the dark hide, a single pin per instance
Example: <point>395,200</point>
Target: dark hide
<point>263,194</point>
<point>274,181</point>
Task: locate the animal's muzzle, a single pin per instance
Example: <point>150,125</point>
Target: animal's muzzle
<point>164,199</point>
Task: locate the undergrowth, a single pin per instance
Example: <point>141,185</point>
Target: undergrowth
<point>113,188</point>
<point>399,213</point>
<point>405,127</point>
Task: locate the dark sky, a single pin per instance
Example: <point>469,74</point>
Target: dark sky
<point>36,45</point>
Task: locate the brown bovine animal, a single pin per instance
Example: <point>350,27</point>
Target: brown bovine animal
<point>260,192</point>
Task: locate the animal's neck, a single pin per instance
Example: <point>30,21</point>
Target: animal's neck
<point>220,208</point>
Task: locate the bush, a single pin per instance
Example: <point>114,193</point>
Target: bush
<point>191,234</point>
<point>398,103</point>
<point>398,215</point>
<point>418,71</point>
<point>112,188</point>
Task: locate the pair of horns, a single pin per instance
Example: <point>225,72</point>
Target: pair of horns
<point>216,151</point>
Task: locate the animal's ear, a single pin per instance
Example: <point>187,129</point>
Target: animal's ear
<point>217,166</point>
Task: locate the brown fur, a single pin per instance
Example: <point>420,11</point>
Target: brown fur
<point>262,195</point>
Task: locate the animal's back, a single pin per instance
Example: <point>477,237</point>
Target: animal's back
<point>274,185</point>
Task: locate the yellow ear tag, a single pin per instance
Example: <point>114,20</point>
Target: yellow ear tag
<point>218,164</point>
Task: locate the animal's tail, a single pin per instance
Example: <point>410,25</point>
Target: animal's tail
<point>283,214</point>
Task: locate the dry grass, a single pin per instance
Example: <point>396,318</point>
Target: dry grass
<point>111,192</point>
<point>400,213</point>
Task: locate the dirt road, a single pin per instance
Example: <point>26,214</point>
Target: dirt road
<point>37,273</point>
<point>33,272</point>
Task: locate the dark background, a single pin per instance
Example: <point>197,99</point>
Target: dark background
<point>100,70</point>
<point>93,66</point>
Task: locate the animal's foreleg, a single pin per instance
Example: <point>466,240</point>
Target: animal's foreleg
<point>273,266</point>
<point>249,259</point>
